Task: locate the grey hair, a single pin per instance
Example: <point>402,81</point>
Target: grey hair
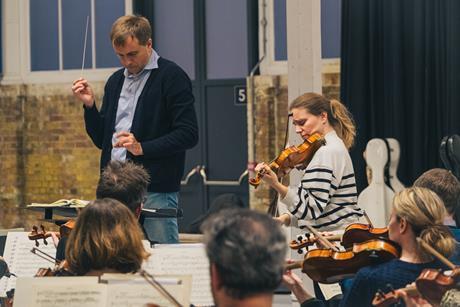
<point>248,249</point>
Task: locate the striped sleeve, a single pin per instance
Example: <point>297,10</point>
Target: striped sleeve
<point>308,201</point>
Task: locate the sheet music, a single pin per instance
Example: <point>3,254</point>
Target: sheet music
<point>133,290</point>
<point>330,290</point>
<point>60,291</point>
<point>21,261</point>
<point>179,259</point>
<point>117,291</point>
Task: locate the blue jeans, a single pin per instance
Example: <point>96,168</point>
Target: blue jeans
<point>162,230</point>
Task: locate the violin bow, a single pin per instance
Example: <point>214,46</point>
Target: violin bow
<point>84,46</point>
<point>367,218</point>
<point>43,255</point>
<point>322,239</point>
<point>155,284</point>
<point>435,253</point>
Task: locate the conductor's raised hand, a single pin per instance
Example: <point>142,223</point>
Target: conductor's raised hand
<point>127,140</point>
<point>83,91</point>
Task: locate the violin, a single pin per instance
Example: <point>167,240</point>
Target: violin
<point>434,283</point>
<point>66,228</point>
<point>292,157</point>
<point>382,299</point>
<point>431,285</point>
<point>64,231</point>
<point>354,233</point>
<point>329,265</point>
<point>359,233</point>
<point>61,268</point>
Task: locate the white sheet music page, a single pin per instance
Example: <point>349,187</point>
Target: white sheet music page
<point>133,290</point>
<point>180,259</point>
<point>60,291</point>
<point>21,261</point>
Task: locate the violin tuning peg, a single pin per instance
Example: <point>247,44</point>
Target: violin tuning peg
<point>307,235</point>
<point>36,243</point>
<point>299,238</point>
<point>300,251</point>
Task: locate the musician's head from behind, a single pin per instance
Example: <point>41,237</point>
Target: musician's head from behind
<point>247,252</point>
<point>126,182</point>
<point>444,184</point>
<point>131,38</point>
<point>106,238</point>
<point>314,113</point>
<point>419,212</point>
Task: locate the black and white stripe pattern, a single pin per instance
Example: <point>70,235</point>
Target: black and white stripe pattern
<point>326,197</point>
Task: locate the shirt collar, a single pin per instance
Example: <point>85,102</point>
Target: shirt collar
<point>152,64</point>
<point>330,134</point>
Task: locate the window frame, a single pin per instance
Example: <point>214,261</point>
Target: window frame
<point>270,66</point>
<point>17,54</point>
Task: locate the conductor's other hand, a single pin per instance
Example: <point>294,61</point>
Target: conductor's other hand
<point>83,91</point>
<point>127,140</point>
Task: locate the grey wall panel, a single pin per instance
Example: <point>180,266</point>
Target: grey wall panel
<point>174,32</point>
<point>279,13</point>
<point>330,28</point>
<point>226,39</point>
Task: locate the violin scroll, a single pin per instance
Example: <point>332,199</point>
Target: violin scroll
<point>37,234</point>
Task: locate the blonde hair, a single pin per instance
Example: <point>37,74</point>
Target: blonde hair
<point>338,115</point>
<point>106,236</point>
<point>130,26</point>
<point>425,213</point>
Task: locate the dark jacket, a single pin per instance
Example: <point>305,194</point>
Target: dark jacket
<point>164,123</point>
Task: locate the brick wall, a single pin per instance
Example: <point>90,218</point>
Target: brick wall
<point>270,115</point>
<point>45,153</point>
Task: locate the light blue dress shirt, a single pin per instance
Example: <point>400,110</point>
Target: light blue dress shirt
<point>130,92</point>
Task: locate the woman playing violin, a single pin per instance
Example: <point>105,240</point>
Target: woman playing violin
<point>417,212</point>
<point>326,196</point>
<point>106,239</point>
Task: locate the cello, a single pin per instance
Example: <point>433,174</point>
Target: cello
<point>376,199</point>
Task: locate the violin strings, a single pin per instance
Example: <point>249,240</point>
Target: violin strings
<point>84,46</point>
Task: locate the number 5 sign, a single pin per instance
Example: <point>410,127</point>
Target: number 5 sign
<point>239,95</point>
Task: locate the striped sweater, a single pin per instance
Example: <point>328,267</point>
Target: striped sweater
<point>326,197</point>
